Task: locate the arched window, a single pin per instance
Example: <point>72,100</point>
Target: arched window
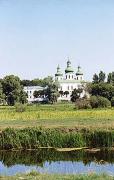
<point>66,76</point>
<point>69,76</point>
<point>77,78</point>
<point>72,76</point>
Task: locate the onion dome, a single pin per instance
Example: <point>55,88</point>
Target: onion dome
<point>69,69</point>
<point>79,72</point>
<point>59,73</point>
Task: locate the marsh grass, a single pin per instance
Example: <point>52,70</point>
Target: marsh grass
<point>33,138</point>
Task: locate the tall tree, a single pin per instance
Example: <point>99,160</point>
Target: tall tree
<point>113,78</point>
<point>102,77</point>
<point>95,78</point>
<point>12,89</point>
<point>109,78</point>
<point>76,94</point>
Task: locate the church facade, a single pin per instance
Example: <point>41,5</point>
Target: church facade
<point>69,81</point>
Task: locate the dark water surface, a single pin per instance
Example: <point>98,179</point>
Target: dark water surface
<point>51,161</point>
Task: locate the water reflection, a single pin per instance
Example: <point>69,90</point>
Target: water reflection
<point>51,161</point>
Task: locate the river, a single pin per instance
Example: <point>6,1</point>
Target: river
<point>51,161</point>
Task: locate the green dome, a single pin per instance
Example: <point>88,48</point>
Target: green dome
<point>79,72</point>
<point>69,69</point>
<point>59,73</point>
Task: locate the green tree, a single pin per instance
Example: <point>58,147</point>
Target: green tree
<point>102,89</point>
<point>109,78</point>
<point>2,96</point>
<point>76,94</point>
<point>23,97</point>
<point>95,78</point>
<point>51,92</point>
<point>66,93</point>
<point>113,78</point>
<point>12,89</point>
<point>102,77</point>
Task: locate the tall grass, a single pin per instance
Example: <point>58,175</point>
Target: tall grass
<point>32,138</point>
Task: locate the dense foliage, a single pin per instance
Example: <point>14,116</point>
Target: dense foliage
<point>11,91</point>
<point>32,138</point>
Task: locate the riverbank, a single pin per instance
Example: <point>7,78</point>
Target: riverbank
<point>34,138</point>
<point>37,176</point>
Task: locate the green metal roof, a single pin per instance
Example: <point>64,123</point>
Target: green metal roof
<point>79,72</point>
<point>59,73</point>
<point>69,69</point>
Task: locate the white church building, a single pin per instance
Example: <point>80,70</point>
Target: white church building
<point>69,81</point>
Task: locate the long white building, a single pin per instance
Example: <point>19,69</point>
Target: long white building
<point>69,81</point>
<point>30,93</point>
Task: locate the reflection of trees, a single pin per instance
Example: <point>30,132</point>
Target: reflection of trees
<point>38,157</point>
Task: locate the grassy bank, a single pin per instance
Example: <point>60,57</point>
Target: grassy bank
<point>36,176</point>
<point>33,138</point>
<point>58,115</point>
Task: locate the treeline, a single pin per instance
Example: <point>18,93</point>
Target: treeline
<point>12,89</point>
<point>37,82</point>
<point>100,90</point>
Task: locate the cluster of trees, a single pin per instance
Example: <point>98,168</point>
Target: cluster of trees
<point>50,92</point>
<point>37,82</point>
<point>101,92</point>
<point>101,78</point>
<point>11,91</point>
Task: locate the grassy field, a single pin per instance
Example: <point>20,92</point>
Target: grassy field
<point>36,176</point>
<point>58,115</point>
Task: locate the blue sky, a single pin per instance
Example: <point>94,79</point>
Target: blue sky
<point>36,35</point>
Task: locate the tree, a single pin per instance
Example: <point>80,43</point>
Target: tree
<point>12,89</point>
<point>51,92</point>
<point>102,77</point>
<point>66,93</point>
<point>109,78</point>
<point>61,93</point>
<point>2,96</point>
<point>26,82</point>
<point>23,97</point>
<point>112,80</point>
<point>76,94</point>
<point>95,78</point>
<point>102,89</point>
<point>39,93</point>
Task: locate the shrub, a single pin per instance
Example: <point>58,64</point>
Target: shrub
<point>20,107</point>
<point>99,101</point>
<point>83,104</point>
<point>112,101</point>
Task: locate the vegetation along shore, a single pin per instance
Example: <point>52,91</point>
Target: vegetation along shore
<point>37,176</point>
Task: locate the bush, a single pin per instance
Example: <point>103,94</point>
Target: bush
<point>82,104</point>
<point>112,102</point>
<point>99,101</point>
<point>20,107</point>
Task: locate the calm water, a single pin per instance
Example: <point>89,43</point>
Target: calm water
<point>50,161</point>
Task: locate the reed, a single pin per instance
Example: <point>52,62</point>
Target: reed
<point>33,138</point>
